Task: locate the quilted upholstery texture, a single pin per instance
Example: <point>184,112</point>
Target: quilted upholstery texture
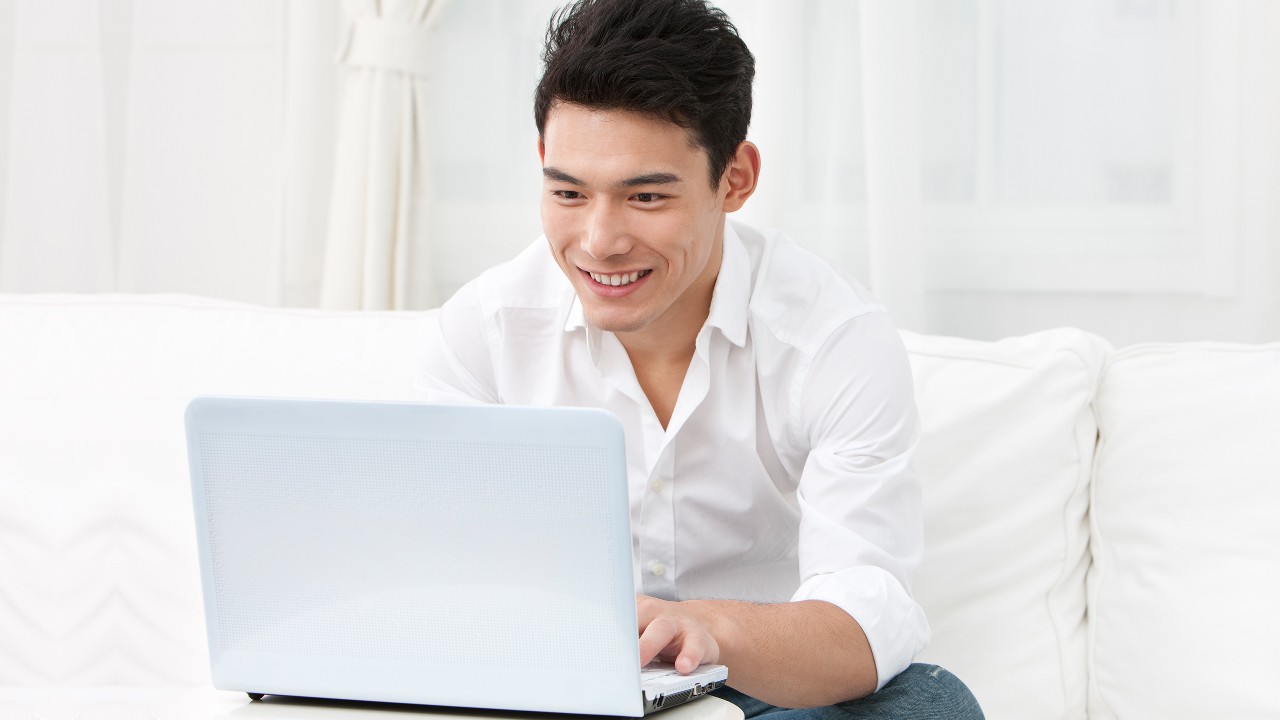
<point>95,508</point>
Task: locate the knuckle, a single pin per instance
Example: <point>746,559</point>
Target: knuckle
<point>666,624</point>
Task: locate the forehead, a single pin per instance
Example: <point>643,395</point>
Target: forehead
<point>607,144</point>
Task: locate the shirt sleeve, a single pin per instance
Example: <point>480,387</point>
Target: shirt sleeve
<point>861,529</point>
<point>457,364</point>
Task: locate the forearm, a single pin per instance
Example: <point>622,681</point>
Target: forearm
<point>795,654</point>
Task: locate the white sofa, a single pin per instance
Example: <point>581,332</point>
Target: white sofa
<point>1102,538</point>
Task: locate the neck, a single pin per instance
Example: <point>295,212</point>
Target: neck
<point>673,345</point>
<point>660,357</point>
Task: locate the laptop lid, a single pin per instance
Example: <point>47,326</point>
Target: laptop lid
<point>471,556</point>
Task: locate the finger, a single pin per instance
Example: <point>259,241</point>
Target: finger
<point>646,610</point>
<point>696,649</point>
<point>657,636</point>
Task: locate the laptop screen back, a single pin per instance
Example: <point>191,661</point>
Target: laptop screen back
<point>472,556</point>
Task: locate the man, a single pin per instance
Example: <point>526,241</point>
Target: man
<point>767,403</point>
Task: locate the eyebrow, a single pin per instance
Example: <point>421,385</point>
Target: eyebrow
<point>655,178</point>
<point>551,173</point>
<point>658,178</point>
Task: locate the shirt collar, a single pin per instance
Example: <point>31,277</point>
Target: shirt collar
<point>732,294</point>
<point>574,317</point>
<point>729,300</point>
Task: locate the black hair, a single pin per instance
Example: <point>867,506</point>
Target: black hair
<point>678,60</point>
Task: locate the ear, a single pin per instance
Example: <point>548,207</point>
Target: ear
<point>740,176</point>
<point>542,151</point>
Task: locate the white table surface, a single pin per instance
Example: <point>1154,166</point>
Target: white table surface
<point>130,703</point>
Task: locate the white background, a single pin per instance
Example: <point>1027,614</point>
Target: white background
<point>990,168</point>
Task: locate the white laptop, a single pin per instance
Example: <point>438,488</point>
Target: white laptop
<point>467,556</point>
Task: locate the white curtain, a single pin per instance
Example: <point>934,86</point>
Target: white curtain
<point>377,256</point>
<point>156,146</point>
<point>988,167</point>
<point>891,111</point>
<point>992,167</point>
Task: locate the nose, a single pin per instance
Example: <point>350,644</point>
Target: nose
<point>606,234</point>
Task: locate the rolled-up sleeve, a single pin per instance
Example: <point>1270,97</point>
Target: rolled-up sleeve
<point>861,534</point>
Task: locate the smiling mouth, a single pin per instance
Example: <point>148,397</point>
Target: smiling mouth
<point>617,279</point>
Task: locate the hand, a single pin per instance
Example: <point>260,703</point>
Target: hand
<point>674,632</point>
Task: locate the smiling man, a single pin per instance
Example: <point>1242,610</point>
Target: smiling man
<point>767,402</point>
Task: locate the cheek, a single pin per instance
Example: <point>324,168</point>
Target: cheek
<point>680,238</point>
<point>699,240</point>
<point>556,225</point>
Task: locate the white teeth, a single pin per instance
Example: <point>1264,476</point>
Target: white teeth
<point>616,280</point>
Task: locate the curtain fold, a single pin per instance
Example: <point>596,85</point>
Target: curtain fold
<point>891,122</point>
<point>166,147</point>
<point>1027,164</point>
<point>55,231</point>
<point>377,248</point>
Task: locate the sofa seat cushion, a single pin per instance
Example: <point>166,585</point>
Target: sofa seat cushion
<point>95,501</point>
<point>1185,584</point>
<point>1008,440</point>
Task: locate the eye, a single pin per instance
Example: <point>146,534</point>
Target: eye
<point>648,197</point>
<point>567,194</point>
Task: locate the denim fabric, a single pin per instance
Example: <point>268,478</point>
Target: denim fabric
<point>920,691</point>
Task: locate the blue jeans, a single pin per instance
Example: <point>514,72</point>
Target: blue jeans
<point>920,691</point>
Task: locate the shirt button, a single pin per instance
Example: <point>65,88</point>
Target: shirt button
<point>657,485</point>
<point>658,569</point>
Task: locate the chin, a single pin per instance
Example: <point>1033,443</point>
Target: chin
<point>615,322</point>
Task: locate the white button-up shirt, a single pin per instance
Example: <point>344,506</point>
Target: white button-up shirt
<point>784,472</point>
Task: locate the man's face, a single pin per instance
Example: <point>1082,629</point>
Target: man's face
<point>630,218</point>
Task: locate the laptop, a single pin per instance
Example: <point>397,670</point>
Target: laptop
<point>465,556</point>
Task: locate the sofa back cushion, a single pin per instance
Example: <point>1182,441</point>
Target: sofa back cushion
<point>1005,458</point>
<point>95,504</point>
<point>1185,585</point>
